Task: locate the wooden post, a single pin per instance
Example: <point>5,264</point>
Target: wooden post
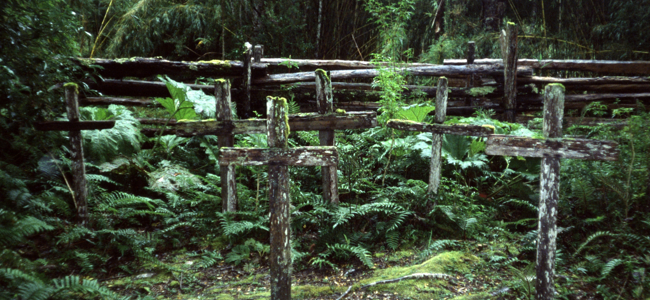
<point>246,103</point>
<point>280,262</point>
<point>551,149</point>
<point>278,157</point>
<point>325,103</point>
<point>438,130</point>
<point>549,193</point>
<point>80,192</point>
<point>226,139</point>
<point>436,147</point>
<point>258,53</point>
<point>510,73</point>
<point>471,49</point>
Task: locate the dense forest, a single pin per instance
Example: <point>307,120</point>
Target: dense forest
<point>155,225</point>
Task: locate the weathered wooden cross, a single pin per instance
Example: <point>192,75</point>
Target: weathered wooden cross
<point>551,149</point>
<point>325,121</point>
<point>279,157</point>
<point>74,126</point>
<point>438,130</point>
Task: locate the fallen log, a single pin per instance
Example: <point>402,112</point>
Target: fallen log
<point>146,67</point>
<point>325,64</point>
<point>119,101</point>
<point>139,88</point>
<point>598,66</point>
<point>439,70</point>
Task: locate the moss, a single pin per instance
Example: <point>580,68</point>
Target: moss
<point>340,111</point>
<point>512,23</point>
<point>481,91</point>
<point>321,71</point>
<point>220,63</point>
<point>478,296</point>
<point>314,291</point>
<point>489,126</point>
<point>72,84</point>
<point>557,84</point>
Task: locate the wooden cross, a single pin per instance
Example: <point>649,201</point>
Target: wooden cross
<point>551,149</point>
<point>438,130</point>
<point>326,122</point>
<point>74,126</point>
<point>279,157</point>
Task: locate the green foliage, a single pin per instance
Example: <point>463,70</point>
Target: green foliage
<point>124,139</point>
<point>415,112</point>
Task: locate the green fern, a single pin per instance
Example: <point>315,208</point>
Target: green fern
<point>21,228</point>
<point>123,139</point>
<point>360,252</point>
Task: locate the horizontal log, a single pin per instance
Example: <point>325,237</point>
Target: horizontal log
<point>114,100</point>
<point>146,67</point>
<point>337,121</point>
<point>212,127</point>
<point>438,70</point>
<point>504,145</point>
<point>587,97</point>
<point>599,66</point>
<point>167,122</point>
<point>140,88</point>
<point>70,126</point>
<point>584,81</point>
<point>327,64</point>
<point>303,156</point>
<point>457,129</point>
<point>429,91</point>
<point>299,122</point>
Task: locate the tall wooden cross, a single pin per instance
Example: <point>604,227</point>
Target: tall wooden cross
<point>438,129</point>
<point>551,149</point>
<point>279,157</point>
<point>74,126</point>
<point>325,121</point>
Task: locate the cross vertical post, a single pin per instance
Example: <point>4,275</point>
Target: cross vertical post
<point>80,191</point>
<point>549,194</point>
<point>325,104</point>
<point>258,53</point>
<point>436,147</point>
<point>246,103</point>
<point>226,139</point>
<point>471,49</point>
<point>278,132</point>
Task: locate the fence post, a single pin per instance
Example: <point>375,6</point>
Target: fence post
<point>436,147</point>
<point>246,103</point>
<point>325,103</point>
<point>258,53</point>
<point>80,192</point>
<point>277,124</point>
<point>227,173</point>
<point>510,73</point>
<point>471,49</point>
<point>549,183</point>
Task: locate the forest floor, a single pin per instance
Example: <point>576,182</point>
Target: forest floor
<point>470,273</point>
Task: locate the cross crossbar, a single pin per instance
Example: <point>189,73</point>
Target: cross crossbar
<point>323,156</point>
<point>457,129</point>
<point>585,149</point>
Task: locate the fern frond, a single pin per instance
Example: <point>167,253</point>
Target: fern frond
<point>593,237</point>
<point>609,266</point>
<point>361,253</point>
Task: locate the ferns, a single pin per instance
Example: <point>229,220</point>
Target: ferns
<point>360,252</point>
<point>10,235</point>
<point>641,243</point>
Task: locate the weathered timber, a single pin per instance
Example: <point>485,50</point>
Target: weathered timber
<point>510,73</point>
<point>323,156</point>
<point>567,82</point>
<point>415,71</point>
<point>585,121</point>
<point>73,126</point>
<point>147,67</point>
<point>279,201</point>
<point>80,191</point>
<point>300,122</point>
<point>245,103</point>
<point>326,64</point>
<point>598,66</point>
<point>471,49</point>
<point>586,149</point>
<point>225,139</point>
<point>588,97</point>
<point>114,100</point>
<point>456,129</point>
<point>152,132</point>
<point>139,88</point>
<point>429,91</point>
<point>258,53</point>
<point>325,105</point>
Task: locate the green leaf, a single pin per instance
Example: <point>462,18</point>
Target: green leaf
<point>416,112</point>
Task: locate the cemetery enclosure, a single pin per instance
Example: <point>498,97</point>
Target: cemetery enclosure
<point>467,73</point>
